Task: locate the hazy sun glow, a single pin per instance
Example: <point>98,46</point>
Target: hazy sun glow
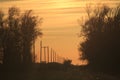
<point>60,27</point>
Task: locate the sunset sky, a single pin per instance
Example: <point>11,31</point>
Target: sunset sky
<point>60,26</point>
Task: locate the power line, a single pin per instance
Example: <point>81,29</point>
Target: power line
<point>48,54</point>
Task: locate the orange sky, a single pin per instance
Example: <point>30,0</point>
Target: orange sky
<point>60,27</point>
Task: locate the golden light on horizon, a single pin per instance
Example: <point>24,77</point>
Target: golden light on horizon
<point>60,26</point>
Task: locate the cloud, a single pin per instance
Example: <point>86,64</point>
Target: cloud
<point>7,0</point>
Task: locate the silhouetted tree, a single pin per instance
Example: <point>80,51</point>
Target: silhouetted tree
<point>29,34</point>
<point>12,45</point>
<point>1,27</point>
<point>101,46</point>
<point>17,34</point>
<point>1,35</point>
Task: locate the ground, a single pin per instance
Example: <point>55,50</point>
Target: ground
<point>52,71</point>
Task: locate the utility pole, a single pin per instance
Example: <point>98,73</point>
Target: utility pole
<point>40,51</point>
<point>51,54</point>
<point>44,54</point>
<point>55,56</point>
<point>48,53</point>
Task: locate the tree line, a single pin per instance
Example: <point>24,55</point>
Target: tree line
<point>18,32</point>
<point>101,32</point>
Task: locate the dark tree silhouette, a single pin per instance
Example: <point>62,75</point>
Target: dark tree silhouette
<point>1,27</point>
<point>1,34</point>
<point>17,34</point>
<point>12,37</point>
<point>29,34</point>
<point>101,46</point>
